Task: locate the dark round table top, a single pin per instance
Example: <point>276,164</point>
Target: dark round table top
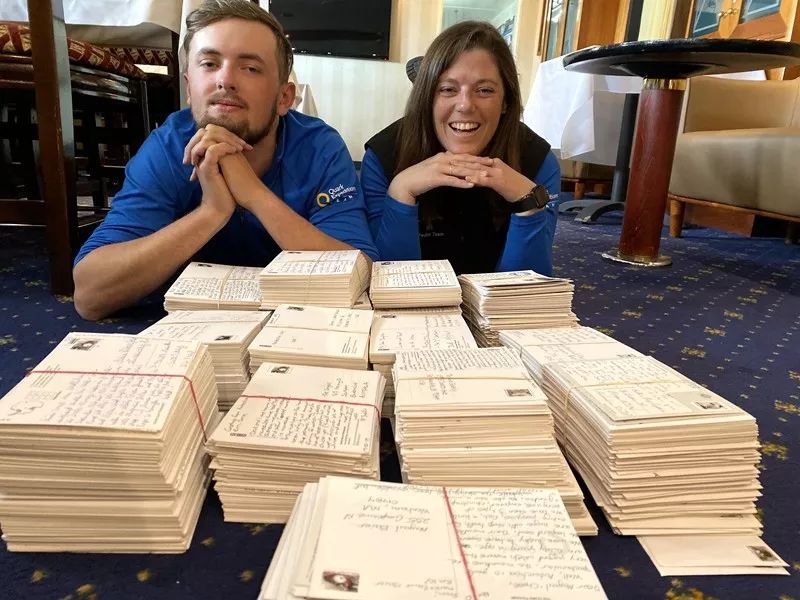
<point>682,58</point>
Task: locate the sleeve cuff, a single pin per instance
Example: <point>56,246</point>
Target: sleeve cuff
<point>401,207</point>
<point>530,221</point>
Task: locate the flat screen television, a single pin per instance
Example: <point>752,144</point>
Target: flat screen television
<point>352,28</point>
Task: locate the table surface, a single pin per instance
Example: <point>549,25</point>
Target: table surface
<point>682,58</point>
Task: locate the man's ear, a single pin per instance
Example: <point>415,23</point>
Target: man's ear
<point>186,85</point>
<point>288,92</point>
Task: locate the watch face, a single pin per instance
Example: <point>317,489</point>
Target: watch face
<point>536,198</point>
<point>542,197</point>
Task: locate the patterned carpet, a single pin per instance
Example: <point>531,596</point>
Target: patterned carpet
<point>726,314</point>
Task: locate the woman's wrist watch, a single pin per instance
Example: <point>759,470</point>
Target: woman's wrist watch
<point>537,198</point>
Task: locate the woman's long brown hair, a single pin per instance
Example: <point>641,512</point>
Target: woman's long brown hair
<point>417,137</point>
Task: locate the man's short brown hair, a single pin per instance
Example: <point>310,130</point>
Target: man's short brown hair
<point>211,11</point>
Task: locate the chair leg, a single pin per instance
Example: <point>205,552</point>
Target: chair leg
<point>29,155</point>
<point>91,148</point>
<point>580,189</point>
<point>677,210</point>
<point>792,232</point>
<point>57,148</point>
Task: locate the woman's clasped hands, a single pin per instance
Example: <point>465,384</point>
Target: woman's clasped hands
<point>460,171</point>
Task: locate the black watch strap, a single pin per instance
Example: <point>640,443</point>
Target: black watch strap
<point>536,198</point>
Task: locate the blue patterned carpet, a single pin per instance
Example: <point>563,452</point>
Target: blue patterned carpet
<point>726,314</point>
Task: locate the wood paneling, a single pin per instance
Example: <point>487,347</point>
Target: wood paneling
<point>771,27</point>
<point>656,19</point>
<point>598,23</point>
<point>622,20</point>
<point>681,19</point>
<point>526,45</point>
<point>794,72</point>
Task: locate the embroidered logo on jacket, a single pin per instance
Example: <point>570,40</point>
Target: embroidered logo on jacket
<point>335,195</point>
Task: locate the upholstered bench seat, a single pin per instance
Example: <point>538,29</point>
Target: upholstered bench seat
<point>749,168</point>
<point>15,39</point>
<point>736,158</point>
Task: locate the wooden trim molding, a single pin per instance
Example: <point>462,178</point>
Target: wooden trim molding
<point>731,207</point>
<point>771,27</point>
<point>735,219</point>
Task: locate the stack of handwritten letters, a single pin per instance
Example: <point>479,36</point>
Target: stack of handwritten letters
<point>538,347</point>
<point>665,458</point>
<point>515,300</point>
<point>314,335</point>
<point>226,334</point>
<point>475,418</point>
<point>414,283</point>
<point>206,286</point>
<point>102,446</point>
<point>401,330</point>
<point>294,424</point>
<point>360,539</point>
<point>322,278</point>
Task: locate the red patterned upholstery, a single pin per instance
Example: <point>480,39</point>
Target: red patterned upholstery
<point>145,56</point>
<point>16,39</point>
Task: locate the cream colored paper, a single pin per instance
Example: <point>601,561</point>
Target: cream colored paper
<point>454,543</point>
<point>312,262</point>
<point>311,342</point>
<point>296,406</point>
<point>76,397</point>
<point>712,555</point>
<point>297,316</point>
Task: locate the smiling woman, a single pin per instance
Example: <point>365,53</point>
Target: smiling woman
<point>460,177</point>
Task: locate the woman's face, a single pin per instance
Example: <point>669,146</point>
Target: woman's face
<point>468,102</point>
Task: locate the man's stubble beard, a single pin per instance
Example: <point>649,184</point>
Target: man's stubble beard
<point>242,128</point>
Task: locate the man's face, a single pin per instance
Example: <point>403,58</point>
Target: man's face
<point>232,79</point>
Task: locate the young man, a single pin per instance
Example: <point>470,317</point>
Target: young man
<point>233,179</point>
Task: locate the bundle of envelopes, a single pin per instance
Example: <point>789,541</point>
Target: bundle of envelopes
<point>398,330</point>
<point>539,347</point>
<point>322,278</point>
<point>515,300</point>
<point>660,453</point>
<point>294,424</point>
<point>101,446</point>
<point>227,335</point>
<point>413,283</point>
<point>207,286</point>
<point>493,544</point>
<point>475,418</point>
<point>314,335</point>
<point>645,438</point>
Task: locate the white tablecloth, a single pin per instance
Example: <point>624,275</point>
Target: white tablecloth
<point>304,100</point>
<point>143,23</point>
<point>578,114</point>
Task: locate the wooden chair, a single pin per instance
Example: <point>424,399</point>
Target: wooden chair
<point>735,160</point>
<point>109,108</point>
